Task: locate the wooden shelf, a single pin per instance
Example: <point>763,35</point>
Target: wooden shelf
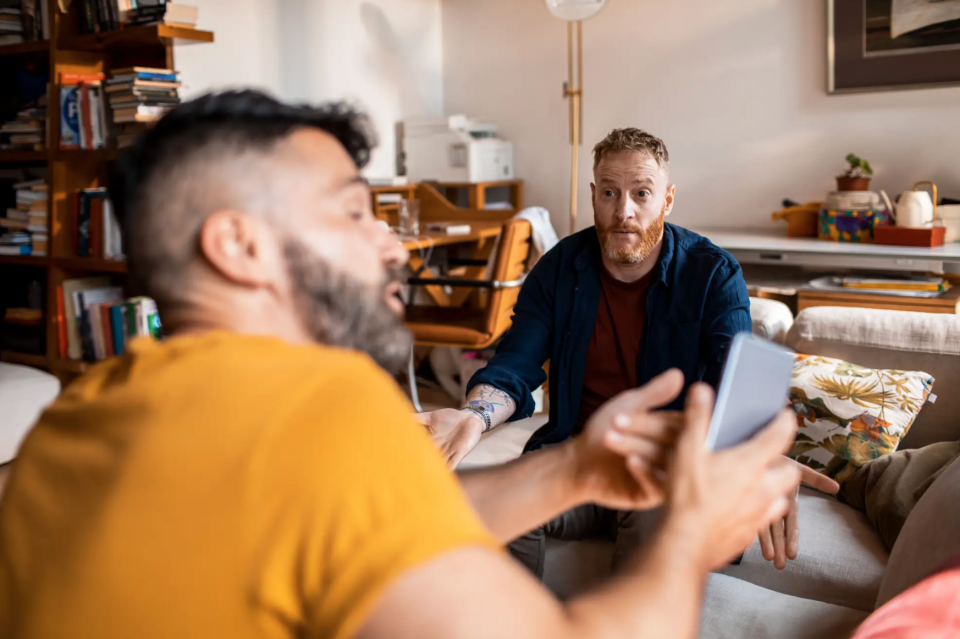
<point>23,156</point>
<point>74,366</point>
<point>25,48</point>
<point>24,260</point>
<point>13,357</point>
<point>91,264</point>
<point>134,37</point>
<point>97,155</point>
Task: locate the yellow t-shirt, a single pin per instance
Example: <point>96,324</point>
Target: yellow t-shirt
<point>222,485</point>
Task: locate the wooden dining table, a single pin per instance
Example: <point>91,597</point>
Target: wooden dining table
<point>481,238</point>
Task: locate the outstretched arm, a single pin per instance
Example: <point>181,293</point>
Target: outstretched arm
<point>716,504</point>
<point>457,432</point>
<point>516,497</point>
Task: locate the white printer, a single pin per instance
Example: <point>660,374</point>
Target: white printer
<point>455,149</point>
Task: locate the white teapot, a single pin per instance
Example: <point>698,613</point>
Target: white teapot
<point>915,209</point>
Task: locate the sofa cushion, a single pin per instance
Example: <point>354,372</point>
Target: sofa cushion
<point>24,393</point>
<point>735,609</point>
<point>930,536</point>
<point>849,415</point>
<point>893,340</point>
<point>842,559</point>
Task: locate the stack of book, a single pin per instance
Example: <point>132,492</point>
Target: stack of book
<point>24,21</point>
<point>25,227</point>
<point>108,15</point>
<point>28,130</point>
<point>169,13</point>
<point>907,286</point>
<point>96,232</point>
<point>11,24</point>
<point>83,120</point>
<point>96,322</point>
<point>139,96</point>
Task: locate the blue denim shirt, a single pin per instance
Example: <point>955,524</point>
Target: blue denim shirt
<point>697,302</point>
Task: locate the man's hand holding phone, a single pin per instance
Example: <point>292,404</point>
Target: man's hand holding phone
<point>719,500</point>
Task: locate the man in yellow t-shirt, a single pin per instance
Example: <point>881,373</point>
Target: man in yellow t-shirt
<point>259,475</point>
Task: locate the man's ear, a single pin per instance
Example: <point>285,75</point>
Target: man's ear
<point>668,200</point>
<point>593,198</point>
<point>241,248</point>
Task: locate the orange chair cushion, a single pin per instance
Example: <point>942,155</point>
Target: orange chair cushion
<point>448,326</point>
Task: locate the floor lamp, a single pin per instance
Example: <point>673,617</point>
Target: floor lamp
<point>574,12</point>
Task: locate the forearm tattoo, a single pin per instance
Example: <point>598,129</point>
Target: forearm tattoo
<point>492,397</point>
<point>493,401</point>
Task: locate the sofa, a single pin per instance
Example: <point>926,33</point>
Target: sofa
<point>844,572</point>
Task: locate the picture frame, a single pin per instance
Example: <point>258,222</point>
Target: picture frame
<point>863,54</point>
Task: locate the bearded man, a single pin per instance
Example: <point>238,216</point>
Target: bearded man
<point>611,307</point>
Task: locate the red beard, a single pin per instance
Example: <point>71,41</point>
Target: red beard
<point>637,250</point>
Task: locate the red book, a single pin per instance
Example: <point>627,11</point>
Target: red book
<point>77,78</point>
<point>107,333</point>
<point>86,126</point>
<point>96,227</point>
<point>61,325</point>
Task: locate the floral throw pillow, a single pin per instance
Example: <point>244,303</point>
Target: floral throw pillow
<point>848,414</point>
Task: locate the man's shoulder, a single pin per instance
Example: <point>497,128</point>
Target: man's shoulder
<point>569,248</point>
<point>696,251</point>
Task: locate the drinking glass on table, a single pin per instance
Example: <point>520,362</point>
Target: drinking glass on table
<point>409,217</point>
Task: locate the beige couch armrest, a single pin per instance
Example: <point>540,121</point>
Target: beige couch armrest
<point>896,340</point>
<point>771,319</point>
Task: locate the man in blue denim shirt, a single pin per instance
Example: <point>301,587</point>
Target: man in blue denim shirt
<point>611,307</point>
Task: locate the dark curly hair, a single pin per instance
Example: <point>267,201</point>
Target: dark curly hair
<point>157,185</point>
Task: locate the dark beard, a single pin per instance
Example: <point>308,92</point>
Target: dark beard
<point>340,311</point>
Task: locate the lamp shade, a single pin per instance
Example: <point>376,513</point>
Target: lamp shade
<point>575,9</point>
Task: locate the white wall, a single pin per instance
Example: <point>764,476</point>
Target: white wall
<point>735,89</point>
<point>383,54</point>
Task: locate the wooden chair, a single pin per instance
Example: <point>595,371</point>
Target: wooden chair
<point>475,328</point>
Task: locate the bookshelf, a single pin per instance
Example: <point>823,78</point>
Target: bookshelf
<point>71,170</point>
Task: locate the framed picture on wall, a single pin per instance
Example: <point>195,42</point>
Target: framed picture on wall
<point>884,45</point>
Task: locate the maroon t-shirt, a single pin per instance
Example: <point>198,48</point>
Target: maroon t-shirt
<point>611,365</point>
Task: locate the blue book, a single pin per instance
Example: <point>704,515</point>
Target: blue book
<point>150,76</point>
<point>116,328</point>
<point>21,249</point>
<point>69,117</point>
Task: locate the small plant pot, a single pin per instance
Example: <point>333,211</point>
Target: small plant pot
<point>853,184</point>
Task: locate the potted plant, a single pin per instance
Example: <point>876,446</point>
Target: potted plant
<point>857,175</point>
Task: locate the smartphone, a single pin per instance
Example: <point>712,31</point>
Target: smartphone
<point>754,388</point>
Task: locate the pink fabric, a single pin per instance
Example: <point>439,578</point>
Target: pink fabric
<point>929,610</point>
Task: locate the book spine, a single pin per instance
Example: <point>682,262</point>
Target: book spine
<point>96,228</point>
<point>86,333</point>
<point>95,15</point>
<point>107,333</point>
<point>69,118</point>
<point>131,320</point>
<point>102,118</point>
<point>74,342</point>
<point>61,324</point>
<point>86,130</point>
<point>152,318</point>
<point>116,328</point>
<point>83,226</point>
<point>104,12</point>
<point>88,17</point>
